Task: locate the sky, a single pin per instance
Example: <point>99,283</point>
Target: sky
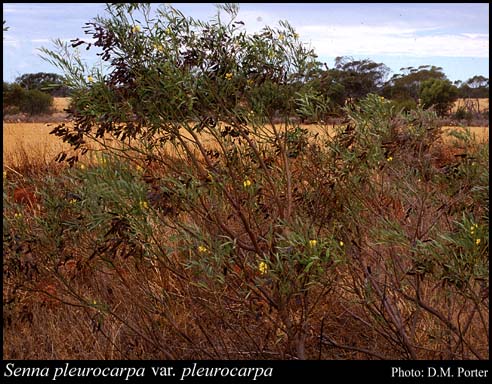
<point>453,36</point>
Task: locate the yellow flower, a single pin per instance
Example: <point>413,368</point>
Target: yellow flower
<point>312,243</point>
<point>247,183</point>
<point>144,205</point>
<point>477,241</point>
<point>228,76</point>
<point>389,159</point>
<point>90,79</point>
<point>82,166</point>
<point>136,29</point>
<point>296,35</point>
<point>473,229</point>
<point>281,37</point>
<point>94,302</point>
<point>139,168</point>
<point>263,267</point>
<point>17,215</point>
<point>4,175</point>
<point>250,81</point>
<point>202,249</point>
<point>72,201</point>
<point>159,47</point>
<point>341,243</point>
<point>168,31</point>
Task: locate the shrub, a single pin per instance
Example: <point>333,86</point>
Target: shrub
<point>463,114</point>
<point>36,102</point>
<point>228,236</point>
<point>404,105</point>
<point>440,94</point>
<point>33,102</point>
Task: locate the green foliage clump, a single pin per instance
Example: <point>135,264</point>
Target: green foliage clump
<point>50,83</point>
<point>32,102</point>
<point>440,94</point>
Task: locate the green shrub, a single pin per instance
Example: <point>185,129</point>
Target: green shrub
<point>32,102</point>
<point>35,102</point>
<point>404,105</point>
<point>437,93</point>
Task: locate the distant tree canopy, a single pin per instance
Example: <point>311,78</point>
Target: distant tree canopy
<point>348,80</point>
<point>437,93</point>
<point>407,85</point>
<point>475,87</point>
<point>359,77</point>
<point>426,85</point>
<point>50,83</point>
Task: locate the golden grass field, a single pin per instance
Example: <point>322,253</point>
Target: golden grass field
<point>477,104</point>
<point>61,103</point>
<point>34,140</point>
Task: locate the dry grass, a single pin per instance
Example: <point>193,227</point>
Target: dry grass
<point>61,103</point>
<point>31,140</point>
<point>34,139</point>
<point>481,134</point>
<point>477,104</point>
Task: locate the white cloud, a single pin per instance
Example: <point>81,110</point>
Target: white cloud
<point>390,40</point>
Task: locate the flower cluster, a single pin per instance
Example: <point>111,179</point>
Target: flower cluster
<point>262,267</point>
<point>473,231</point>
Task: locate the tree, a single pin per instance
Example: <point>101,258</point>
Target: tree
<point>50,83</point>
<point>408,83</point>
<point>476,87</point>
<point>359,77</point>
<point>440,94</point>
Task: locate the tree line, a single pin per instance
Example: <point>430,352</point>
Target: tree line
<point>349,80</point>
<point>427,85</point>
<point>33,93</point>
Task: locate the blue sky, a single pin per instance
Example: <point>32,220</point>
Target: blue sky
<point>454,36</point>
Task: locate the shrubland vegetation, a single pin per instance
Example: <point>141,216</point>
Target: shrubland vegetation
<point>210,224</point>
<point>17,99</point>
